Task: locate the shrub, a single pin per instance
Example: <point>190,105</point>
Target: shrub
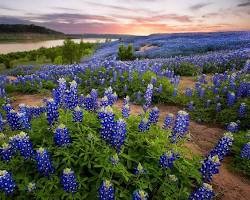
<point>126,53</point>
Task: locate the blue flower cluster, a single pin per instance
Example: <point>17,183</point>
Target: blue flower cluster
<point>188,92</point>
<point>168,122</point>
<point>140,195</point>
<point>181,125</point>
<point>231,98</point>
<point>1,122</point>
<point>6,152</point>
<point>52,111</point>
<point>210,166</point>
<point>148,95</point>
<point>44,164</point>
<point>77,114</point>
<point>167,159</point>
<point>119,135</point>
<point>245,151</point>
<point>7,184</point>
<point>106,191</point>
<point>62,136</point>
<point>205,192</point>
<point>223,146</point>
<point>139,170</point>
<point>126,110</point>
<point>144,125</point>
<point>154,116</point>
<point>242,110</point>
<point>71,96</point>
<point>112,97</point>
<point>232,127</point>
<point>68,181</point>
<point>25,146</point>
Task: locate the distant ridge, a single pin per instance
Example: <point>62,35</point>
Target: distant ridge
<point>23,28</point>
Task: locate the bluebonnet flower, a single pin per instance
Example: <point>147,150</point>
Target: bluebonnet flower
<point>44,163</point>
<point>232,127</point>
<point>144,125</point>
<point>208,103</point>
<point>114,159</point>
<point>231,98</point>
<point>216,90</point>
<point>106,191</point>
<point>94,95</point>
<point>201,92</point>
<point>25,146</point>
<point>153,80</point>
<point>14,120</point>
<point>126,100</point>
<point>6,152</point>
<point>210,166</point>
<point>167,160</point>
<point>31,187</point>
<point>7,107</point>
<point>242,110</point>
<point>223,146</point>
<point>104,101</point>
<point>175,92</point>
<point>245,151</point>
<point>77,114</point>
<point>62,87</point>
<point>188,92</point>
<point>112,97</point>
<point>125,110</point>
<point>148,95</point>
<point>205,192</point>
<point>154,116</point>
<point>107,119</point>
<point>68,181</point>
<point>218,107</point>
<point>168,122</point>
<point>62,136</point>
<point>52,111</point>
<point>139,170</point>
<point>159,89</point>
<point>138,96</point>
<point>181,125</point>
<point>7,184</point>
<point>140,195</point>
<point>1,122</point>
<point>119,135</point>
<point>190,106</point>
<point>217,99</point>
<point>88,103</point>
<point>24,120</point>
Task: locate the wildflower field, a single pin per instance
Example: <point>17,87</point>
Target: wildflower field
<point>87,140</point>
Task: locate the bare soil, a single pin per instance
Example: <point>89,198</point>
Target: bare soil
<point>147,47</point>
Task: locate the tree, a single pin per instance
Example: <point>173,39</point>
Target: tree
<point>126,53</point>
<point>71,52</point>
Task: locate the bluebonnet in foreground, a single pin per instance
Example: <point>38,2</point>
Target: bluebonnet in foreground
<point>140,195</point>
<point>148,95</point>
<point>44,163</point>
<point>144,125</point>
<point>190,106</point>
<point>71,96</point>
<point>167,160</point>
<point>205,192</point>
<point>6,152</point>
<point>106,191</point>
<point>14,120</point>
<point>218,107</point>
<point>168,122</point>
<point>223,146</point>
<point>119,135</point>
<point>25,146</point>
<point>232,127</point>
<point>153,116</point>
<point>7,184</point>
<point>210,166</point>
<point>77,114</point>
<point>245,151</point>
<point>139,170</point>
<point>52,111</point>
<point>61,136</point>
<point>68,181</point>
<point>188,92</point>
<point>125,110</point>
<point>1,122</point>
<point>242,110</point>
<point>181,125</point>
<point>126,100</point>
<point>231,98</point>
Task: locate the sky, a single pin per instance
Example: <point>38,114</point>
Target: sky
<point>138,17</point>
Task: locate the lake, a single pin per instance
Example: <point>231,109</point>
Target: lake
<point>27,46</point>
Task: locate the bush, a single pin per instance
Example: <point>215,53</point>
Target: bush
<point>186,69</point>
<point>126,53</point>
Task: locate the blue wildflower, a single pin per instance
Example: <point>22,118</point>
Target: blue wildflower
<point>7,184</point>
<point>168,122</point>
<point>140,195</point>
<point>210,166</point>
<point>61,136</point>
<point>205,192</point>
<point>167,160</point>
<point>77,114</point>
<point>106,191</point>
<point>154,116</point>
<point>44,163</point>
<point>245,151</point>
<point>68,181</point>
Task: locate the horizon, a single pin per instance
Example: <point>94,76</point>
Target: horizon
<point>141,17</point>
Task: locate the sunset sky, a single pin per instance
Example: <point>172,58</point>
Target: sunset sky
<point>141,17</point>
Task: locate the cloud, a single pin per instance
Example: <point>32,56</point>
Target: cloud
<point>199,6</point>
<point>245,4</point>
<point>8,8</point>
<point>13,20</point>
<point>65,9</point>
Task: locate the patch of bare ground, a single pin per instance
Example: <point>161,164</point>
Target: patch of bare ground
<point>11,78</point>
<point>28,99</point>
<point>186,82</point>
<point>227,185</point>
<point>147,47</point>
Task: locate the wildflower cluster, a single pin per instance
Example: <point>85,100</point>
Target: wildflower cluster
<point>52,111</point>
<point>154,116</point>
<point>106,191</point>
<point>68,181</point>
<point>167,160</point>
<point>168,122</point>
<point>245,151</point>
<point>44,163</point>
<point>205,192</point>
<point>7,184</point>
<point>140,195</point>
<point>61,136</point>
<point>77,114</point>
<point>210,166</point>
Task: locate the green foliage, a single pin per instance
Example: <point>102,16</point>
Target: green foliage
<point>239,164</point>
<point>58,60</point>
<point>126,53</point>
<point>186,69</point>
<point>89,157</point>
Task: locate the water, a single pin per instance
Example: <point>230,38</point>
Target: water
<point>27,46</point>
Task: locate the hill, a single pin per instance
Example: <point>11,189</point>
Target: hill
<point>23,28</point>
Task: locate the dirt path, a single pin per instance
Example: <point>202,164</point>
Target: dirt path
<point>228,186</point>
